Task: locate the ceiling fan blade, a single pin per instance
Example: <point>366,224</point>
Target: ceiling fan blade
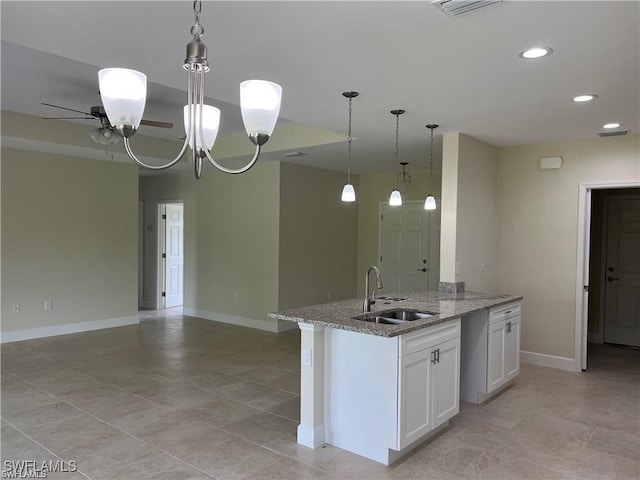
<point>151,123</point>
<point>68,118</point>
<point>65,108</point>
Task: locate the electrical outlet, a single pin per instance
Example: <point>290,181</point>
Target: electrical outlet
<point>329,295</point>
<point>306,357</point>
<point>16,308</point>
<point>483,265</point>
<point>458,267</point>
<point>48,305</point>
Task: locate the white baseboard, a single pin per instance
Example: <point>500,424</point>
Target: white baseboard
<point>544,360</point>
<point>269,326</point>
<point>67,328</point>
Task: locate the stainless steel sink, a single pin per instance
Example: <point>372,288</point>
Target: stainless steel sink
<point>397,316</point>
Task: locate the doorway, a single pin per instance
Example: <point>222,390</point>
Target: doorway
<point>608,278</point>
<point>170,291</point>
<point>409,247</point>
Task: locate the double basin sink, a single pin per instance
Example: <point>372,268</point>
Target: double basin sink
<point>396,316</point>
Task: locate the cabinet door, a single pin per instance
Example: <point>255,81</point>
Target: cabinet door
<point>495,354</point>
<point>414,415</point>
<point>512,347</point>
<point>446,381</point>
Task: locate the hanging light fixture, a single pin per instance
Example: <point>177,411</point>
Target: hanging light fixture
<point>124,92</point>
<point>395,200</point>
<point>348,192</point>
<point>430,202</point>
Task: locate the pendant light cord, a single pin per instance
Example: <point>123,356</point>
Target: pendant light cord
<point>349,143</point>
<point>431,166</point>
<point>397,157</point>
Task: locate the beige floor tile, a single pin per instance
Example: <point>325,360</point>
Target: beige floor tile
<point>628,470</point>
<point>14,445</point>
<point>616,442</point>
<point>221,411</point>
<point>185,439</point>
<point>234,459</point>
<point>287,469</point>
<point>33,419</point>
<point>270,431</point>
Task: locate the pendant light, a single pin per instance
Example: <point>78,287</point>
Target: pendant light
<point>395,200</point>
<point>430,202</point>
<point>348,192</point>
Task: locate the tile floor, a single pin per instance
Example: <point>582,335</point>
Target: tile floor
<point>179,398</point>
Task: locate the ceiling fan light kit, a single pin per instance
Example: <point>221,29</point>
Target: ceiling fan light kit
<point>124,92</point>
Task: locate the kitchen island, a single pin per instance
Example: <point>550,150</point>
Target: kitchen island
<point>381,389</point>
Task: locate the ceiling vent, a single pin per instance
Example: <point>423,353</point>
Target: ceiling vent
<point>613,133</point>
<point>458,7</point>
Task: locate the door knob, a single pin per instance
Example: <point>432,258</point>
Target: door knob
<point>422,269</point>
<point>611,279</point>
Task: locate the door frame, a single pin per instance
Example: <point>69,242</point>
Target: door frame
<point>160,239</point>
<point>582,274</point>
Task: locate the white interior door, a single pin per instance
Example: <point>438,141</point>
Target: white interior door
<point>409,249</point>
<point>174,254</point>
<point>622,272</point>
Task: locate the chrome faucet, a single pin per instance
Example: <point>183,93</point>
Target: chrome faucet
<point>370,299</point>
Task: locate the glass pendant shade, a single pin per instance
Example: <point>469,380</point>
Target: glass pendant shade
<point>123,93</point>
<point>395,200</point>
<point>430,203</point>
<point>348,193</point>
<point>260,105</point>
<point>210,124</point>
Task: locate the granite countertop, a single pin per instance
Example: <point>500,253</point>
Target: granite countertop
<point>447,305</point>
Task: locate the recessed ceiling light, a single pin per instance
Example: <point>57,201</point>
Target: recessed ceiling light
<point>585,97</point>
<point>536,52</point>
<point>611,125</point>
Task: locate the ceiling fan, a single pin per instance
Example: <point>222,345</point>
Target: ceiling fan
<point>105,134</point>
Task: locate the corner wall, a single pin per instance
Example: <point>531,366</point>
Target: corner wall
<point>469,220</point>
<point>69,235</point>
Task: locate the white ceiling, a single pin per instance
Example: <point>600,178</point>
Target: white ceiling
<point>462,72</point>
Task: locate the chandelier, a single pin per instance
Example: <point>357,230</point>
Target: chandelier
<point>124,92</point>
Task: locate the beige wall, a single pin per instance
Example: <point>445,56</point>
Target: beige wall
<point>155,189</point>
<point>69,235</point>
<point>373,190</point>
<point>318,237</point>
<point>476,236</point>
<point>231,241</point>
<point>538,229</point>
<point>237,242</point>
<point>468,235</point>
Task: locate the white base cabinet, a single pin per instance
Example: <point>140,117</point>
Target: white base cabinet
<point>383,396</point>
<point>429,384</point>
<point>490,351</point>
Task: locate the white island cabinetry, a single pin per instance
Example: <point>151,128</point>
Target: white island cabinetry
<point>490,351</point>
<point>385,395</point>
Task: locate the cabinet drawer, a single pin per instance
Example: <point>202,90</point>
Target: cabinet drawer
<point>503,312</point>
<point>427,337</point>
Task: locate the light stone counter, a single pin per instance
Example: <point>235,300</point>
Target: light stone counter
<point>447,306</point>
